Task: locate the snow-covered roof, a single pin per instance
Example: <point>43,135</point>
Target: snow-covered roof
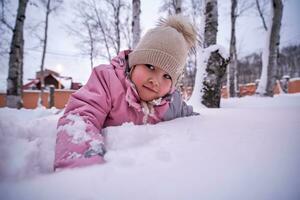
<point>65,81</point>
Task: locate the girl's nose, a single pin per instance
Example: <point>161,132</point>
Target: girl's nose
<point>154,82</point>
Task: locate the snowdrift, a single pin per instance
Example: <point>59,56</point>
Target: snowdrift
<point>248,149</point>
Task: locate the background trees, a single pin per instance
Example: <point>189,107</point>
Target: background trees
<point>102,28</point>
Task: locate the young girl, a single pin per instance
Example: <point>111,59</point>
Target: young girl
<point>137,86</point>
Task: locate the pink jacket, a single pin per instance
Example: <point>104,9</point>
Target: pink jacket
<point>109,98</point>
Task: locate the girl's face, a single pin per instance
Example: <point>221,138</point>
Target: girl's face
<point>151,82</point>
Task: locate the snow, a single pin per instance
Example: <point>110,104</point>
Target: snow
<point>202,57</point>
<point>248,149</point>
<point>76,129</point>
<point>295,79</point>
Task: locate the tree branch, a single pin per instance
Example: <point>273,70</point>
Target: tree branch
<point>261,15</point>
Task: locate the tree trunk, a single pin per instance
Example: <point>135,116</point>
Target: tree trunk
<point>136,30</point>
<point>15,71</point>
<point>270,54</point>
<point>210,22</point>
<point>232,84</point>
<point>178,4</point>
<point>44,52</point>
<point>216,68</point>
<point>277,8</point>
<point>51,96</point>
<point>117,26</point>
<point>216,65</point>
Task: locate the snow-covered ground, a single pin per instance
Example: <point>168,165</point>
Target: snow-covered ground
<point>248,149</point>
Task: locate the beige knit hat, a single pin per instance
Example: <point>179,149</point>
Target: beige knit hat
<point>166,46</point>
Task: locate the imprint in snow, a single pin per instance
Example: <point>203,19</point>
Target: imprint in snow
<point>129,135</point>
<point>163,155</point>
<point>76,128</point>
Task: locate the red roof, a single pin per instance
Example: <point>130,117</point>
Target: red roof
<point>30,84</point>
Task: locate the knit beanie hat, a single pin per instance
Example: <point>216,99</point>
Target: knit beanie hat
<point>166,46</point>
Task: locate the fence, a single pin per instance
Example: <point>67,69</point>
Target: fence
<point>30,98</point>
<point>293,86</point>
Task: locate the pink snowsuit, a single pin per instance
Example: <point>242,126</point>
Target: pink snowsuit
<point>109,98</point>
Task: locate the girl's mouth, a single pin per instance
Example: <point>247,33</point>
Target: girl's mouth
<point>151,89</point>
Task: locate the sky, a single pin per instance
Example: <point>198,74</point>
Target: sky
<point>64,56</point>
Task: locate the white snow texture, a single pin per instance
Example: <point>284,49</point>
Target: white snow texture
<point>248,149</point>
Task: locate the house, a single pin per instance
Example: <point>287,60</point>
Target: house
<point>52,78</point>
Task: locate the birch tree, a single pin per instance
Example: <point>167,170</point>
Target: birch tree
<point>136,29</point>
<point>270,52</point>
<point>238,7</point>
<point>213,60</point>
<point>15,71</point>
<point>232,85</point>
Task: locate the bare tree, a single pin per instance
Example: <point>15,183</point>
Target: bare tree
<point>15,72</point>
<point>270,55</point>
<point>44,50</point>
<point>277,9</point>
<point>83,29</point>
<point>261,14</point>
<point>126,30</point>
<point>49,8</point>
<point>238,7</point>
<point>171,6</point>
<point>91,41</point>
<point>210,23</point>
<point>136,30</point>
<point>232,85</point>
<point>116,8</point>
<point>177,4</point>
<point>109,25</point>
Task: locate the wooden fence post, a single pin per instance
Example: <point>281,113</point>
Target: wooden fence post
<point>51,96</point>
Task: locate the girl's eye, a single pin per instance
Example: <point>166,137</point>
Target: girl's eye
<point>150,66</point>
<point>167,76</point>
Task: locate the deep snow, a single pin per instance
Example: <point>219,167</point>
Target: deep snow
<point>248,149</point>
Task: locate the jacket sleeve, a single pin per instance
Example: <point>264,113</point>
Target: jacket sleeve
<point>178,108</point>
<point>79,142</point>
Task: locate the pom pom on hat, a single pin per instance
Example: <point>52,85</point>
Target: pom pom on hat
<point>181,24</point>
<point>166,46</point>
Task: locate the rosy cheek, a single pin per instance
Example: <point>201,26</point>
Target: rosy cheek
<point>167,86</point>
